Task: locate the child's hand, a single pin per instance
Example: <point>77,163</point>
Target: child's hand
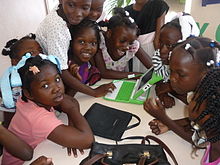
<point>167,101</point>
<point>74,70</point>
<point>156,110</point>
<point>74,151</point>
<point>104,89</point>
<point>162,88</point>
<point>157,127</point>
<point>42,161</point>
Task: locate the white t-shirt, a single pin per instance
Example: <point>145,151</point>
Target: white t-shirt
<point>54,37</point>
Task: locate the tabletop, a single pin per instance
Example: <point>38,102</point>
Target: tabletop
<point>181,149</point>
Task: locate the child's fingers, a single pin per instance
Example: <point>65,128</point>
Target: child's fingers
<point>159,104</point>
<point>69,151</point>
<point>81,151</point>
<point>74,152</point>
<point>153,122</point>
<point>156,131</point>
<point>49,161</point>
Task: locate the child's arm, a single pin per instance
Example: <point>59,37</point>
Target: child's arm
<point>107,73</point>
<point>75,84</point>
<point>14,145</point>
<point>157,110</point>
<point>80,135</point>
<point>144,58</point>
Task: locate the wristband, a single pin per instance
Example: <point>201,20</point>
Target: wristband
<point>131,76</point>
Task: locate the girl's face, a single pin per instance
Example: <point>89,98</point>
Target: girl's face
<point>96,9</point>
<point>120,38</point>
<point>168,38</point>
<point>27,46</point>
<point>185,72</point>
<point>84,45</point>
<point>47,89</point>
<point>76,10</point>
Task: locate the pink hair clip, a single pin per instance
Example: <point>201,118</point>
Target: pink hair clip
<point>34,69</point>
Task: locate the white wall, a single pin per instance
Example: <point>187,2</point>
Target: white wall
<point>208,14</point>
<point>18,18</point>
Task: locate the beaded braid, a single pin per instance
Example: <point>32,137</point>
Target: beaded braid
<point>120,18</point>
<point>209,89</point>
<point>12,46</point>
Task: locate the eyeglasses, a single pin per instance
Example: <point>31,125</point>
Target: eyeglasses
<point>199,137</point>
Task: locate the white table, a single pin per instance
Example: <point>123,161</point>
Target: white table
<point>180,148</point>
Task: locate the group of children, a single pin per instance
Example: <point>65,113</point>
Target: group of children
<point>79,52</point>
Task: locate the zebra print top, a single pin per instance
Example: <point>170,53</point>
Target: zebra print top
<point>159,67</point>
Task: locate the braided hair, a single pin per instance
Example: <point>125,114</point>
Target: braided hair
<point>120,18</point>
<point>203,50</point>
<point>209,90</point>
<point>12,46</point>
<point>27,77</point>
<point>86,23</point>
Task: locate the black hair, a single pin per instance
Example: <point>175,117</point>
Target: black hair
<point>173,24</point>
<point>27,77</point>
<point>12,46</point>
<point>209,90</point>
<point>202,50</point>
<point>86,23</point>
<point>120,18</point>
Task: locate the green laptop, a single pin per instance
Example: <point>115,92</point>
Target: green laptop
<point>134,92</point>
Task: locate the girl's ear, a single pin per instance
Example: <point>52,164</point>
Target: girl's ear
<point>108,33</point>
<point>27,94</point>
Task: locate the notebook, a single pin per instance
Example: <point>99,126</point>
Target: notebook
<point>134,92</point>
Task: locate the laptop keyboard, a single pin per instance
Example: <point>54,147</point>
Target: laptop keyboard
<point>123,91</point>
<point>127,89</point>
<point>114,93</point>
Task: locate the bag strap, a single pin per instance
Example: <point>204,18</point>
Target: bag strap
<point>95,159</point>
<point>134,137</point>
<point>136,124</point>
<point>161,144</point>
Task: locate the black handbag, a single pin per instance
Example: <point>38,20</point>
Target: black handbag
<point>109,122</point>
<point>140,154</point>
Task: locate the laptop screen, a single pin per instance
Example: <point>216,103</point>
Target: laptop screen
<point>147,76</point>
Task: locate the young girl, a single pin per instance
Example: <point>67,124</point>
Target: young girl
<point>154,11</point>
<point>96,9</point>
<point>54,37</point>
<point>83,47</point>
<point>35,121</point>
<point>118,46</point>
<point>192,66</point>
<point>180,28</point>
<point>15,49</point>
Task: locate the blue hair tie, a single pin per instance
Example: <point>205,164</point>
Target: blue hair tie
<point>212,44</point>
<point>11,78</point>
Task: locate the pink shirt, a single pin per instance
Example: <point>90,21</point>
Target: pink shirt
<point>32,124</point>
<point>205,159</point>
